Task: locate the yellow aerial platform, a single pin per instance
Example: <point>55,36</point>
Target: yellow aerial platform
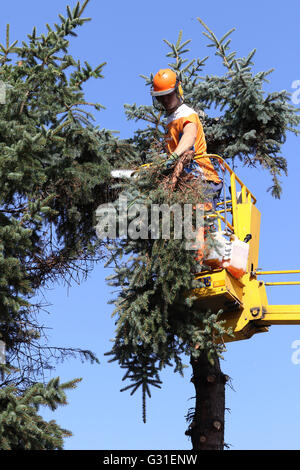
<point>244,301</point>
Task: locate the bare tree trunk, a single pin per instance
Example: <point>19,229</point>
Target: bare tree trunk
<point>207,427</point>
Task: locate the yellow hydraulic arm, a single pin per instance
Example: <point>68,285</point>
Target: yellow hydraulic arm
<point>243,301</point>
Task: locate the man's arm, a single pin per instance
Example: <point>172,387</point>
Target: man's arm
<point>188,139</point>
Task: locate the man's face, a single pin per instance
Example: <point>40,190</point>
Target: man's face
<point>170,102</point>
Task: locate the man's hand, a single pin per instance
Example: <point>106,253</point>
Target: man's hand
<point>189,153</point>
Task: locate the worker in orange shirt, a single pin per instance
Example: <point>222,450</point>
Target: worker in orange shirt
<point>184,133</point>
<point>184,130</point>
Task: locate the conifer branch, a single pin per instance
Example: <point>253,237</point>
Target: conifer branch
<point>7,37</point>
<point>82,8</point>
<point>218,44</point>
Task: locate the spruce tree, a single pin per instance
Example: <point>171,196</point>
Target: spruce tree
<point>158,324</point>
<point>21,427</point>
<point>54,171</point>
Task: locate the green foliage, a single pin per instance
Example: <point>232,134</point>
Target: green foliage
<point>54,172</point>
<point>158,323</point>
<point>21,427</point>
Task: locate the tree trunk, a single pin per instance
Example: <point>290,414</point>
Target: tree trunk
<point>207,427</point>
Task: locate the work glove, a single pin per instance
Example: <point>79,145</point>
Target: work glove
<point>172,158</point>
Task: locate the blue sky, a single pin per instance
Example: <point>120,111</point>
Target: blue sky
<point>264,400</point>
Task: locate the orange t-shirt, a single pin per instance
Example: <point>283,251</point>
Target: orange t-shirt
<point>175,124</point>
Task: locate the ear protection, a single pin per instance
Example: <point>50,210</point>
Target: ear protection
<point>179,90</point>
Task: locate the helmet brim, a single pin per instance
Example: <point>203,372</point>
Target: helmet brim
<point>162,93</point>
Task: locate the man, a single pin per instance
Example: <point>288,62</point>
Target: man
<point>184,129</point>
<point>184,133</point>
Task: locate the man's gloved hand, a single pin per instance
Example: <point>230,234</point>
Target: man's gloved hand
<point>189,153</point>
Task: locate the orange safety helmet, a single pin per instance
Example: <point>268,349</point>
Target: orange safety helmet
<point>165,82</point>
